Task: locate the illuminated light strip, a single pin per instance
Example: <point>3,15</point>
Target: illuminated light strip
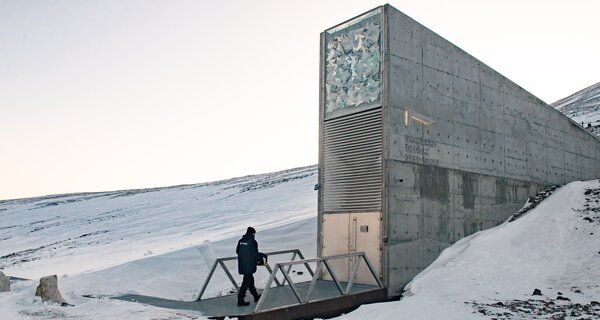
<point>406,118</point>
<point>420,120</point>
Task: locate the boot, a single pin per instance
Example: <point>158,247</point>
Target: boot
<point>256,297</point>
<point>241,302</point>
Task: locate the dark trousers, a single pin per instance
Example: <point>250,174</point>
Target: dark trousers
<point>247,284</point>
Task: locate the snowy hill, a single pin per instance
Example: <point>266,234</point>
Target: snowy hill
<point>100,230</point>
<point>156,241</point>
<point>162,241</point>
<point>583,107</point>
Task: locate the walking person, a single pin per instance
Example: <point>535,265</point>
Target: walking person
<point>248,259</point>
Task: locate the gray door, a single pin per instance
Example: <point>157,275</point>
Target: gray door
<point>348,233</point>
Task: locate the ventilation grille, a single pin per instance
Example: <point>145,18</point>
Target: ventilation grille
<point>352,163</point>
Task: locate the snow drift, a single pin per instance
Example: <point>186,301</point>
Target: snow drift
<point>492,274</point>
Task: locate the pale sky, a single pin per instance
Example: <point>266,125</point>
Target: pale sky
<point>108,95</point>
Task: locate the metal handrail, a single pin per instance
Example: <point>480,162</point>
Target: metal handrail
<point>320,262</point>
<point>221,262</point>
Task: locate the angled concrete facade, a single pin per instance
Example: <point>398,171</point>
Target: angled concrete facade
<point>490,146</point>
<point>454,146</point>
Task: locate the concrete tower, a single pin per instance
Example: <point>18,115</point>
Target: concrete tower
<point>421,145</point>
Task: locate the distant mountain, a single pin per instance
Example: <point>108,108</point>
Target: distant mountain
<point>583,107</point>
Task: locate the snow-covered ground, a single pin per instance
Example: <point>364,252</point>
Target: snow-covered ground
<point>157,242</point>
<point>161,242</point>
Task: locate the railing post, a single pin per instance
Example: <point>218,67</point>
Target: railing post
<point>271,271</point>
<point>372,269</point>
<point>237,288</point>
<point>287,277</point>
<point>313,282</point>
<point>332,274</point>
<point>210,274</point>
<point>305,264</point>
<point>266,290</point>
<point>353,276</point>
<point>289,267</point>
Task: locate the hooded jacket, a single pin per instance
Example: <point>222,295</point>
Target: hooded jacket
<point>248,255</point>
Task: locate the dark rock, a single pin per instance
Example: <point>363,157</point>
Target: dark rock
<point>4,283</point>
<point>537,292</point>
<point>563,298</point>
<point>586,308</point>
<point>588,219</point>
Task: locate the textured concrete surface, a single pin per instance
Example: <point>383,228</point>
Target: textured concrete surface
<point>487,146</point>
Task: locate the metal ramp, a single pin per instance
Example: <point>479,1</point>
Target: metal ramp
<point>282,298</point>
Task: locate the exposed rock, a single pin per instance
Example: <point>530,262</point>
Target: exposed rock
<point>4,283</point>
<point>533,202</point>
<point>48,290</point>
<point>538,309</point>
<point>537,292</point>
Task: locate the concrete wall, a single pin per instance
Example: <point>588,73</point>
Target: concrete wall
<point>489,145</point>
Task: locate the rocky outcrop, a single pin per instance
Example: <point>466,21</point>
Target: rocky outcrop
<point>48,290</point>
<point>583,107</point>
<point>4,283</point>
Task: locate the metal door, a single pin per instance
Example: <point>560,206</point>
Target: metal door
<point>348,233</point>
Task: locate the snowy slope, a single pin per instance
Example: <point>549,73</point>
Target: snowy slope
<point>157,242</point>
<point>99,230</point>
<point>583,107</point>
<point>493,273</point>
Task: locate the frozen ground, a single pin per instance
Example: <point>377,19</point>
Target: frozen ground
<point>161,242</point>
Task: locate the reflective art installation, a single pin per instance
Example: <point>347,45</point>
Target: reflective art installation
<point>353,67</point>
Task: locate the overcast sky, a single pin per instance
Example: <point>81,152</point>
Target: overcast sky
<point>107,95</point>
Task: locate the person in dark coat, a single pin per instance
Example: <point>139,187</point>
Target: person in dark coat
<point>248,259</point>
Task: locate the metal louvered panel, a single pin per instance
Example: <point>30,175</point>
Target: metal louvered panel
<point>352,162</point>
